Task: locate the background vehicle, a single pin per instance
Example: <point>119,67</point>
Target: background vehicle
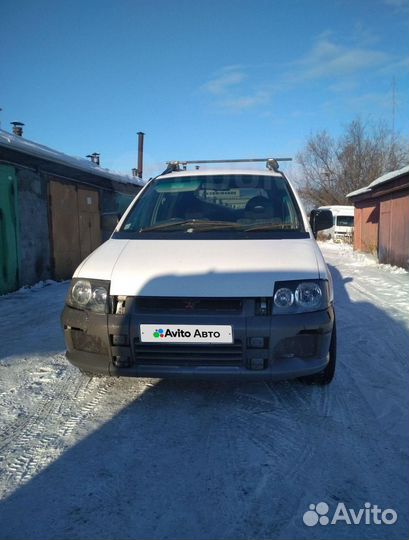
<point>343,223</point>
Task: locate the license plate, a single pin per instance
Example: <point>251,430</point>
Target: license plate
<point>185,333</point>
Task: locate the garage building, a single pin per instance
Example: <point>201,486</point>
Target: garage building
<point>51,206</point>
<point>382,218</point>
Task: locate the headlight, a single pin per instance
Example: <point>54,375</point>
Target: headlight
<point>89,294</point>
<point>81,292</point>
<point>283,297</point>
<point>308,294</point>
<point>300,296</point>
<point>99,296</point>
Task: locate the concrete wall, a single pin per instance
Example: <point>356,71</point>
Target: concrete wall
<point>34,231</point>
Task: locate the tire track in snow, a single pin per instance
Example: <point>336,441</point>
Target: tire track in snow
<point>36,442</point>
<point>279,444</point>
<point>12,431</point>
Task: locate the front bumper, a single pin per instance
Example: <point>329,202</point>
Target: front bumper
<point>343,236</point>
<point>291,345</point>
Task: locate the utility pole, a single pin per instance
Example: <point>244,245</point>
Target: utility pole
<point>393,106</point>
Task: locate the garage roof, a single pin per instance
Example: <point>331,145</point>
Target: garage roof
<point>388,177</point>
<point>27,147</point>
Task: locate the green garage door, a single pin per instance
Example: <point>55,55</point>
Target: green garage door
<point>8,230</point>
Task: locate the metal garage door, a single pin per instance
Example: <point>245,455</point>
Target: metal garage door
<point>75,226</point>
<point>394,230</point>
<point>89,221</point>
<point>9,260</point>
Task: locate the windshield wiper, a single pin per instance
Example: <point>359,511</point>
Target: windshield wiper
<point>190,225</point>
<point>195,224</point>
<point>270,227</point>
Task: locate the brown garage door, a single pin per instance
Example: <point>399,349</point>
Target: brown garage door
<point>75,226</point>
<point>89,222</point>
<point>394,230</point>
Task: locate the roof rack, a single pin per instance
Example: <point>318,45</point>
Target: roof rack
<point>271,163</point>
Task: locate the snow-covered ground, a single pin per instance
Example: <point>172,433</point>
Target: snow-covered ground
<point>125,458</point>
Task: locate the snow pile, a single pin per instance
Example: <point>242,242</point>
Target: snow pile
<point>358,258</point>
<point>36,286</point>
<point>32,288</point>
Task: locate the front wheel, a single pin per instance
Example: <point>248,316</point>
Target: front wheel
<point>326,375</point>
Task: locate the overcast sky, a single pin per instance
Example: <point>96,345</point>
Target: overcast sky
<point>204,79</point>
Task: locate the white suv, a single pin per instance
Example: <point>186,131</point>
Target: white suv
<point>208,274</point>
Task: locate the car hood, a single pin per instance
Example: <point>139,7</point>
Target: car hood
<point>222,268</point>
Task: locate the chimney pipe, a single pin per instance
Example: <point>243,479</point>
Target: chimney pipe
<point>140,153</point>
<point>134,172</point>
<point>94,157</point>
<point>17,128</point>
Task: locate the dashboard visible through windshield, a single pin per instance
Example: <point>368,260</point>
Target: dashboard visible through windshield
<point>215,203</point>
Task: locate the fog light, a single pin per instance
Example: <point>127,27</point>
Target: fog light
<point>301,346</point>
<point>87,342</point>
<point>256,342</point>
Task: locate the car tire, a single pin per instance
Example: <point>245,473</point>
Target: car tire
<point>326,375</point>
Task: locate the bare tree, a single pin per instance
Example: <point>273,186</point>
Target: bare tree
<point>332,167</point>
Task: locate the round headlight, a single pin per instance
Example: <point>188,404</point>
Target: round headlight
<point>81,292</point>
<point>99,296</point>
<point>283,297</point>
<point>308,295</point>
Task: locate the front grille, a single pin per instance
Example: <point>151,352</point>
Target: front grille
<point>177,354</point>
<point>189,305</point>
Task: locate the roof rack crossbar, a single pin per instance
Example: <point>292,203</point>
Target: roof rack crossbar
<point>271,163</point>
<point>249,160</point>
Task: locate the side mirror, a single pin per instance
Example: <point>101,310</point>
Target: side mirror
<point>109,222</point>
<point>320,220</point>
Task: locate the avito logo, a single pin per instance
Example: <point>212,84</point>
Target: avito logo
<point>370,514</point>
<point>179,333</point>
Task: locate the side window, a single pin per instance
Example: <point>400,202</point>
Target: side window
<point>145,207</point>
<point>164,208</point>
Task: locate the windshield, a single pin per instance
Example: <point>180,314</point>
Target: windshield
<point>345,221</point>
<point>215,203</point>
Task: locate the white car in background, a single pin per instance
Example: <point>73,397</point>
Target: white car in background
<point>210,273</point>
<point>342,229</point>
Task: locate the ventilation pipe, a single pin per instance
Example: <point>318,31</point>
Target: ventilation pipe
<point>140,154</point>
<point>17,128</point>
<point>94,158</point>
